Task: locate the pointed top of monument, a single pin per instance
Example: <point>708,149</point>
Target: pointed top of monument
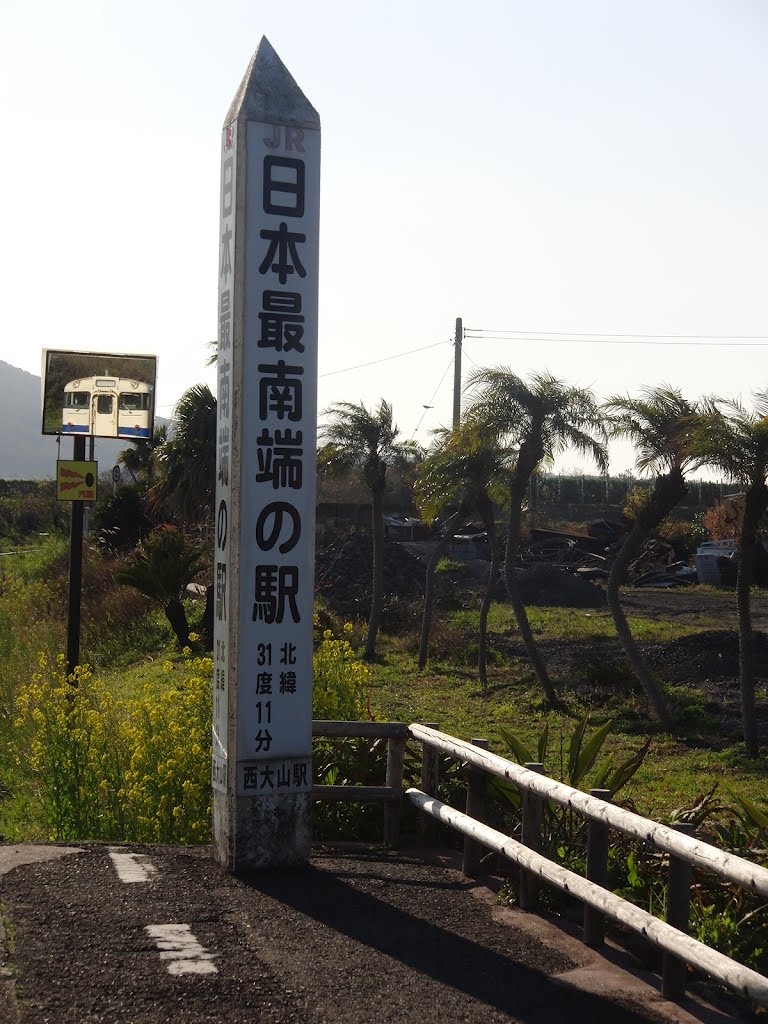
<point>269,93</point>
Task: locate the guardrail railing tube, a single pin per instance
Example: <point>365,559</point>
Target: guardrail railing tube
<point>597,872</point>
<point>720,967</point>
<point>470,864</point>
<point>748,875</point>
<point>530,835</point>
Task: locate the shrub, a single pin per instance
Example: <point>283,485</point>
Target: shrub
<point>137,770</point>
<point>339,688</point>
<point>121,519</point>
<point>28,508</point>
<point>74,747</point>
<point>167,789</point>
<point>636,501</point>
<point>684,536</point>
<point>162,567</point>
<point>719,522</point>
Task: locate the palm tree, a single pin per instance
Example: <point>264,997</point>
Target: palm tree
<point>666,430</point>
<point>164,564</point>
<point>459,473</point>
<point>359,437</point>
<point>737,444</point>
<point>535,420</point>
<point>141,457</point>
<point>186,481</point>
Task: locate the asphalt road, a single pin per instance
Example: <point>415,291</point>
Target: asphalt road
<point>148,935</point>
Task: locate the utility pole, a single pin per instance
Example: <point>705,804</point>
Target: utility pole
<point>457,372</point>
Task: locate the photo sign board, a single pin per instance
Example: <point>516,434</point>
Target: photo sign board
<point>97,394</point>
<point>266,464</point>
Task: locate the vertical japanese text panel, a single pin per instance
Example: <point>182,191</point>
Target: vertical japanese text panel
<point>223,543</point>
<point>279,442</point>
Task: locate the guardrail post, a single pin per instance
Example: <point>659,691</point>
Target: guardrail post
<point>470,864</point>
<point>597,872</point>
<point>530,835</point>
<point>678,915</point>
<point>430,778</point>
<point>395,756</point>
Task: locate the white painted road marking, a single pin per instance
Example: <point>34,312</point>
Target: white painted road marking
<point>132,867</point>
<point>181,949</point>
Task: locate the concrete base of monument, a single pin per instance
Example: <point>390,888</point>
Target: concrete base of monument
<point>254,832</point>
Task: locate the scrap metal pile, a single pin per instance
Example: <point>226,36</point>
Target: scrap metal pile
<point>591,555</point>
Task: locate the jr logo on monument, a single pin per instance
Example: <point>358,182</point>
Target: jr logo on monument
<point>265,492</point>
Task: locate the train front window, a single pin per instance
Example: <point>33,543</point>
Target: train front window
<point>76,399</point>
<point>104,405</point>
<point>134,402</point>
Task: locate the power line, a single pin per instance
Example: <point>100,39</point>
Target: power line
<point>434,393</point>
<point>384,359</point>
<point>607,334</point>
<point>700,341</point>
<point>469,357</point>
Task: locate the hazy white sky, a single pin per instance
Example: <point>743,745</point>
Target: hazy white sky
<point>594,167</point>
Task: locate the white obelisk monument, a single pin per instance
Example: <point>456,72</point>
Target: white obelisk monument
<point>265,469</point>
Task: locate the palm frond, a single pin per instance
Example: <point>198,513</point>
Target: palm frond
<point>736,441</point>
<point>541,411</point>
<point>357,436</point>
<point>666,429</point>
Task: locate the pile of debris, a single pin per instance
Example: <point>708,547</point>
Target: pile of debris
<point>546,586</point>
<point>344,569</point>
<point>591,555</point>
<point>658,566</point>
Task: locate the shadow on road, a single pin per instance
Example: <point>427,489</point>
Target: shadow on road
<point>442,934</point>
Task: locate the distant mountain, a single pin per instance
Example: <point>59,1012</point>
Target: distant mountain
<point>25,454</point>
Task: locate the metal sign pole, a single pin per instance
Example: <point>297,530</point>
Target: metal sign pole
<point>75,569</point>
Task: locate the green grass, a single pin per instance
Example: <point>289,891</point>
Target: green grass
<point>128,640</point>
<point>677,769</point>
<point>583,624</point>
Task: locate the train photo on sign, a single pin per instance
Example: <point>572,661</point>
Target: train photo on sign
<point>107,407</point>
<point>92,394</point>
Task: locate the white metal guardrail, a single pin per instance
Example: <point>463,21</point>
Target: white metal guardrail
<point>665,936</point>
<point>685,851</point>
<point>694,851</point>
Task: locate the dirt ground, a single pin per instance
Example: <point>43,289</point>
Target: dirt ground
<point>693,606</point>
<point>706,661</point>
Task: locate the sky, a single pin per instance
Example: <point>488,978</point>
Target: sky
<point>583,184</point>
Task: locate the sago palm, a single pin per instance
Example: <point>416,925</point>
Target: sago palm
<point>355,436</point>
<point>534,420</point>
<point>666,431</point>
<point>163,566</point>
